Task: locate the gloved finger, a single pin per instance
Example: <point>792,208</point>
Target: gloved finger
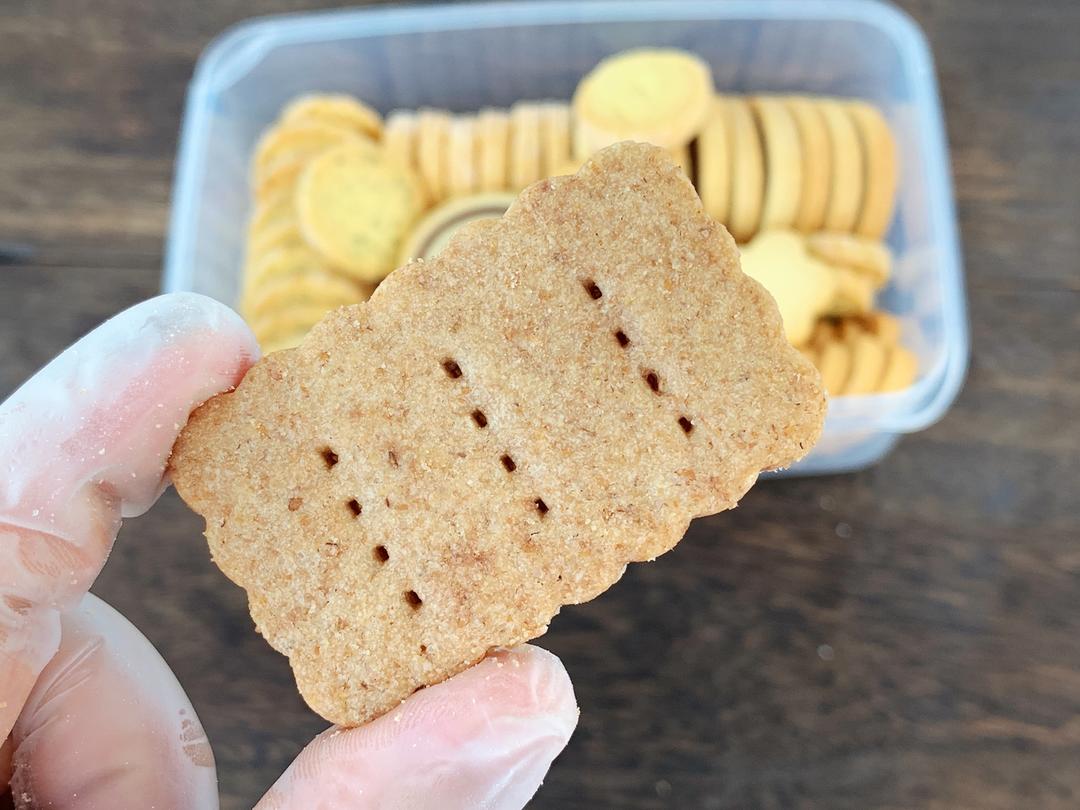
<point>107,725</point>
<point>83,443</point>
<point>5,764</point>
<point>482,740</point>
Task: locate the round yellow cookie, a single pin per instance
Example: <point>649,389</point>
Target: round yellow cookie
<point>494,127</point>
<point>816,163</point>
<point>834,364</point>
<point>464,171</point>
<point>272,210</point>
<point>885,326</point>
<point>846,159</point>
<point>280,180</point>
<point>525,164</point>
<point>355,207</point>
<point>336,109</point>
<point>880,173</point>
<point>783,161</point>
<point>432,152</point>
<point>854,293</point>
<point>310,287</point>
<point>554,137</point>
<point>867,364</point>
<point>863,254</point>
<point>286,232</point>
<point>901,368</point>
<point>284,260</point>
<point>657,95</point>
<point>714,162</point>
<point>431,234</point>
<point>748,171</point>
<point>287,144</point>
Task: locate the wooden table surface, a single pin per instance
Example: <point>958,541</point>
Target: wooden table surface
<point>908,636</point>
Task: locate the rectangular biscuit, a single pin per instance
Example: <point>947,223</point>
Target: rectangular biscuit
<point>496,433</point>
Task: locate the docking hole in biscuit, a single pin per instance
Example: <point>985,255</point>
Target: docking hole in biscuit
<point>452,369</point>
<point>541,507</point>
<point>329,457</point>
<point>381,554</point>
<point>686,424</point>
<point>508,463</point>
<point>413,600</point>
<point>479,418</point>
<point>392,458</point>
<point>355,507</point>
<point>423,649</point>
<point>652,381</point>
<point>295,503</point>
<point>620,336</point>
<point>591,288</point>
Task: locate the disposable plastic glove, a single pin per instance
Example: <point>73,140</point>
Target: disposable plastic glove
<point>90,715</point>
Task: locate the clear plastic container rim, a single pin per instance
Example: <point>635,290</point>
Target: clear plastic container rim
<point>233,52</point>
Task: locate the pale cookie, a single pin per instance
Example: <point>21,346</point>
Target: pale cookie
<point>280,181</point>
<point>854,294</point>
<point>272,211</point>
<point>846,159</point>
<point>802,286</point>
<point>464,171</point>
<point>286,145</point>
<point>432,152</point>
<point>399,139</point>
<point>816,163</point>
<point>748,171</point>
<point>284,260</point>
<point>554,137</point>
<point>714,162</point>
<point>336,109</point>
<point>834,364</point>
<point>866,255</point>
<point>496,433</point>
<point>901,368</point>
<point>430,235</point>
<point>310,287</point>
<point>825,331</point>
<point>494,126</point>
<point>355,208</point>
<point>265,239</point>
<point>867,364</point>
<point>783,161</point>
<point>284,323</point>
<point>525,166</point>
<point>880,173</point>
<point>882,324</point>
<point>657,95</point>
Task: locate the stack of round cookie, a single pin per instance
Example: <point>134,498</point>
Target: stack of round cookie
<point>330,210</point>
<point>802,162</point>
<point>805,184</point>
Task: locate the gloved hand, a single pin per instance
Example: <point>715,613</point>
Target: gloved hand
<point>91,715</point>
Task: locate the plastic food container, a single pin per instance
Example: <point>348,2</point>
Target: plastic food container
<point>466,57</point>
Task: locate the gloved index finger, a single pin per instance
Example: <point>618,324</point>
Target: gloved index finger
<point>85,442</point>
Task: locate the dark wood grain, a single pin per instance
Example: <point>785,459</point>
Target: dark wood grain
<point>902,637</point>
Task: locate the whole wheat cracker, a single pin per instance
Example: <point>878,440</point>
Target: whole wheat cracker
<point>496,433</point>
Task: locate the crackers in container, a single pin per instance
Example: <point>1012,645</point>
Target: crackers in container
<point>657,95</point>
<point>496,433</point>
<point>355,208</point>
